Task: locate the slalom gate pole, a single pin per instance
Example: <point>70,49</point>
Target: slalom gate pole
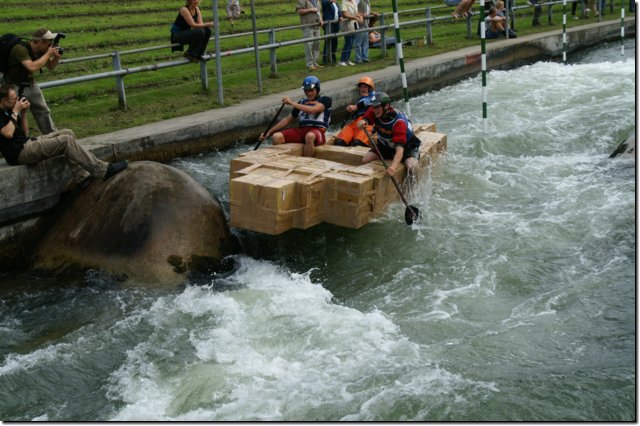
<point>564,31</point>
<point>396,25</point>
<point>483,56</point>
<point>622,29</point>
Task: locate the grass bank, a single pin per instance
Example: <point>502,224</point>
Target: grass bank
<point>101,26</point>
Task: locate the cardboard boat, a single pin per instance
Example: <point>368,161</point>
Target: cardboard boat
<point>275,188</point>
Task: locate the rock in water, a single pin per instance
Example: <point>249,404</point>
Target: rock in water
<point>151,222</point>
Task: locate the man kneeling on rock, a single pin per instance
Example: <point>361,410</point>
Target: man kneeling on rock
<point>17,148</point>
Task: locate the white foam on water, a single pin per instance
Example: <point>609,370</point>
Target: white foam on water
<point>275,349</point>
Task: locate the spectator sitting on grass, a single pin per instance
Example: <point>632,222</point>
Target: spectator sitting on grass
<point>495,25</point>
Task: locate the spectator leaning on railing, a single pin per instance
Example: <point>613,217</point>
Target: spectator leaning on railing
<point>350,22</point>
<point>331,16</point>
<point>311,18</point>
<point>24,60</point>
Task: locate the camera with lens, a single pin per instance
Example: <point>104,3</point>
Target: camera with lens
<point>56,42</point>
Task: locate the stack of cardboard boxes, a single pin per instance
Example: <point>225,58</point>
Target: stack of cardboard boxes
<point>274,189</point>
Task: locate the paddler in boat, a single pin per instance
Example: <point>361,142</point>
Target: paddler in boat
<point>350,135</point>
<point>313,113</point>
<point>396,139</point>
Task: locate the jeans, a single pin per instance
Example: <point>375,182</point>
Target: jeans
<point>346,50</point>
<point>197,38</point>
<point>311,48</point>
<point>330,45</point>
<point>361,42</point>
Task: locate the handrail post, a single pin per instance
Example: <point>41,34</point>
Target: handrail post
<point>429,27</point>
<point>117,66</point>
<point>467,20</point>
<point>204,76</point>
<point>549,17</point>
<point>273,59</point>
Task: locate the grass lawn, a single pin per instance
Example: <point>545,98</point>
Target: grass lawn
<point>104,26</point>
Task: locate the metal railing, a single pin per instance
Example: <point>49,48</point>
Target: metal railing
<point>119,72</point>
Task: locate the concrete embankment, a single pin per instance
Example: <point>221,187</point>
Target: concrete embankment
<point>28,192</point>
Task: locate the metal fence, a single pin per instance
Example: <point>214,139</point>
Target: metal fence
<point>119,72</point>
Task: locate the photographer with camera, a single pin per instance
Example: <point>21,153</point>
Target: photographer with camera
<point>17,148</point>
<point>24,60</point>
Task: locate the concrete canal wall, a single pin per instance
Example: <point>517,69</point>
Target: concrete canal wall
<point>27,192</point>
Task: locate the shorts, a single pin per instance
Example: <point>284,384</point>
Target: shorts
<point>411,150</point>
<point>297,134</point>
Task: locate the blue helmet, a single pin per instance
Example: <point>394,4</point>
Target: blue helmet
<point>311,82</point>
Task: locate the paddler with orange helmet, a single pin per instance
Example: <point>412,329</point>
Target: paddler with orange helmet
<point>350,135</point>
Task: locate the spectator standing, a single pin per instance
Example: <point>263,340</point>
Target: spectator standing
<point>311,18</point>
<point>233,11</point>
<point>314,114</point>
<point>350,22</point>
<point>17,148</point>
<point>361,40</point>
<point>574,7</point>
<point>331,16</point>
<point>188,27</point>
<point>24,60</point>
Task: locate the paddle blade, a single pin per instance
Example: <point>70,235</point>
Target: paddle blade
<point>411,214</point>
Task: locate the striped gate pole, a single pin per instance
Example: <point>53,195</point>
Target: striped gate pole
<point>564,31</point>
<point>216,32</point>
<point>622,29</point>
<point>396,26</point>
<point>483,56</point>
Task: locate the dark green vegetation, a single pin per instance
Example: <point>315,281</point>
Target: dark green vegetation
<point>103,26</point>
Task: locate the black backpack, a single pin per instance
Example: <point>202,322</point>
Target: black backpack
<point>7,41</point>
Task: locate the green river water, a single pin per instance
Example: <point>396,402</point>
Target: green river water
<point>514,298</point>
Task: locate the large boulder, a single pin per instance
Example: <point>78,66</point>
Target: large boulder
<point>151,223</point>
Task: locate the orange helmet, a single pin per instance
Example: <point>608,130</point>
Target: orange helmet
<point>367,81</point>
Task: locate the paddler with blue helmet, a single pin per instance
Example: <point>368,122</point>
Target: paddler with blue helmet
<point>313,113</point>
<point>396,139</point>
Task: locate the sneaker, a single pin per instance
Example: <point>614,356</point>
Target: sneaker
<point>318,66</point>
<point>342,64</point>
<point>366,61</point>
<point>350,63</point>
<point>576,18</point>
<point>312,68</point>
<point>115,168</point>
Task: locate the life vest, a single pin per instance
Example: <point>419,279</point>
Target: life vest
<point>385,129</point>
<point>363,103</point>
<point>315,120</point>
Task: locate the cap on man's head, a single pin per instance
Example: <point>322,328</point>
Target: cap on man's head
<point>43,34</point>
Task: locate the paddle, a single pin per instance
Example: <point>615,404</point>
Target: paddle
<point>275,117</point>
<point>411,213</point>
